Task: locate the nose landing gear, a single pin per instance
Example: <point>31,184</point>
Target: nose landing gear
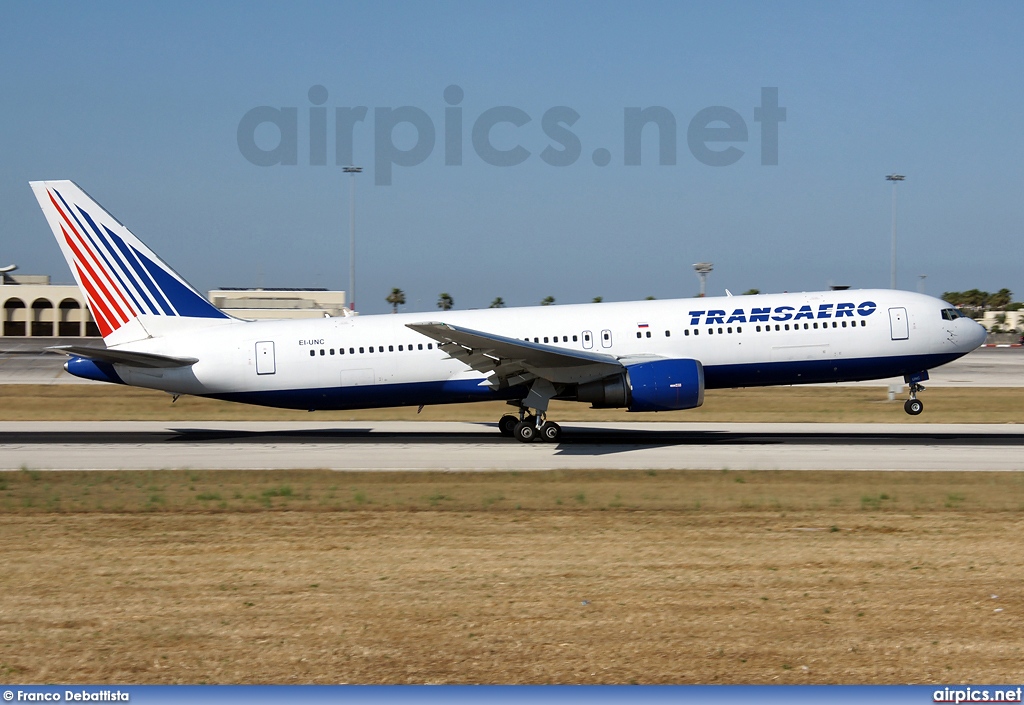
<point>913,405</point>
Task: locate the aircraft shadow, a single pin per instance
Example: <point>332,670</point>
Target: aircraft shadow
<point>575,441</point>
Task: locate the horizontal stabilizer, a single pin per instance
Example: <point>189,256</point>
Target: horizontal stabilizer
<point>125,357</point>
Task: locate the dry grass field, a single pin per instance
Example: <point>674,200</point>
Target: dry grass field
<point>571,577</point>
<point>102,402</point>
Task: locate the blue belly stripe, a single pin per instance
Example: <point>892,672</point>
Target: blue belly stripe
<point>470,390</point>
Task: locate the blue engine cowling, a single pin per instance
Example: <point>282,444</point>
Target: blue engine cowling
<point>665,385</point>
<point>659,385</point>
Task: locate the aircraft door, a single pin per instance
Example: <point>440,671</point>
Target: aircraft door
<point>898,323</point>
<point>588,339</point>
<point>265,364</point>
<point>606,338</point>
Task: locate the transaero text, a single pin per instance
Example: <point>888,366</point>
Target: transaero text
<point>781,313</point>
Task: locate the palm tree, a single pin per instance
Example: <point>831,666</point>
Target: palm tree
<point>548,301</point>
<point>497,303</point>
<point>445,302</point>
<point>396,298</point>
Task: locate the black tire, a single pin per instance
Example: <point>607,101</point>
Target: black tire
<point>550,432</point>
<point>507,425</point>
<point>913,407</point>
<point>525,432</point>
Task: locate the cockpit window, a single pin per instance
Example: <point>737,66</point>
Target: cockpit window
<point>951,314</point>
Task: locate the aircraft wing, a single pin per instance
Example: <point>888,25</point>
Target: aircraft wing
<point>509,361</point>
<point>124,357</point>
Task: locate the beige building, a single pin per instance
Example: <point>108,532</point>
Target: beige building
<point>1005,320</point>
<point>264,304</point>
<point>33,307</point>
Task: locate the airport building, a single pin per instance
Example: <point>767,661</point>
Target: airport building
<point>35,308</point>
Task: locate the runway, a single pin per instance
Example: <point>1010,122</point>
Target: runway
<point>390,446</point>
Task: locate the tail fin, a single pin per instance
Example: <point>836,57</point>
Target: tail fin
<point>132,293</point>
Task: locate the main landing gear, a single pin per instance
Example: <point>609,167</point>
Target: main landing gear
<point>528,427</point>
<point>913,405</point>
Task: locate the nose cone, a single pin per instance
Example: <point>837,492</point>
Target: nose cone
<point>976,335</point>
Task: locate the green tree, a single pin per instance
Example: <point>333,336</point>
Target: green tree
<point>396,298</point>
<point>1000,300</point>
<point>751,292</point>
<point>597,300</point>
<point>649,298</point>
<point>497,303</point>
<point>548,301</point>
<point>445,302</point>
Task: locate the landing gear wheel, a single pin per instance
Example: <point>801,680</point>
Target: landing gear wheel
<point>550,432</point>
<point>507,425</point>
<point>913,407</point>
<point>526,432</point>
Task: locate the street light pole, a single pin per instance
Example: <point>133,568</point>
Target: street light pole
<point>352,171</point>
<point>703,269</point>
<point>894,178</point>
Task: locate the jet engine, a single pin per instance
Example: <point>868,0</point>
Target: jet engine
<point>658,385</point>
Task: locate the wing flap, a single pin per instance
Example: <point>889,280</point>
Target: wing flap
<point>511,361</point>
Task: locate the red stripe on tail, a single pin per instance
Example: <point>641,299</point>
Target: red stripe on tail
<point>111,300</point>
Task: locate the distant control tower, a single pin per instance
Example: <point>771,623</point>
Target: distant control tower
<point>703,269</point>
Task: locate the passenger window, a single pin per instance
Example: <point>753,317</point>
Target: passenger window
<point>787,326</point>
<point>863,323</point>
<point>668,334</point>
<point>312,353</point>
<point>815,326</point>
<point>711,331</point>
<point>574,339</point>
<point>400,348</point>
<point>696,331</point>
<point>361,351</point>
<point>420,346</point>
<point>351,351</point>
<point>648,334</point>
<point>391,348</point>
<point>719,331</point>
<point>739,329</point>
<point>545,339</point>
<point>332,351</point>
<point>806,327</point>
<point>844,324</point>
<point>430,346</point>
<point>638,335</point>
<point>565,339</point>
<point>341,351</point>
<point>730,329</point>
<point>758,329</point>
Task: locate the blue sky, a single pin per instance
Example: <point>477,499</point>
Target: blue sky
<point>140,103</point>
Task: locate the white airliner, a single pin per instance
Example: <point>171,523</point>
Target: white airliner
<point>160,333</point>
